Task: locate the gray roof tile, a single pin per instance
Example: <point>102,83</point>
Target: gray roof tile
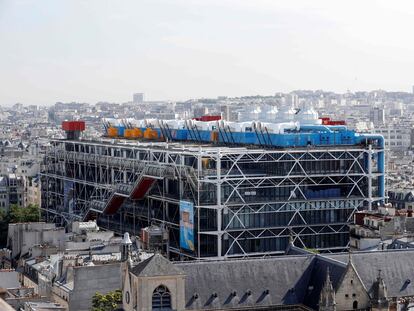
<point>155,266</point>
<point>242,283</point>
<point>397,266</point>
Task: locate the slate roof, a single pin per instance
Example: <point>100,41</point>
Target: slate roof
<point>156,265</point>
<point>397,269</point>
<point>409,224</point>
<point>284,280</point>
<point>318,277</point>
<point>294,250</point>
<point>291,279</point>
<point>248,282</point>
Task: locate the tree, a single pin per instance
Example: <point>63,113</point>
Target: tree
<point>106,302</point>
<point>4,226</point>
<point>30,213</point>
<point>312,250</point>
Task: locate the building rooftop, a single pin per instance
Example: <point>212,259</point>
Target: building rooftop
<point>272,281</point>
<point>156,265</point>
<point>43,306</point>
<point>9,279</point>
<point>397,269</point>
<point>294,279</point>
<point>194,147</point>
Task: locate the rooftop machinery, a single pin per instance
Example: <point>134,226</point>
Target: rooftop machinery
<point>292,128</point>
<point>271,135</point>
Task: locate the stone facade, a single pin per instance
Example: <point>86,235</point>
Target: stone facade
<point>82,282</point>
<point>351,293</point>
<point>139,288</point>
<point>142,299</point>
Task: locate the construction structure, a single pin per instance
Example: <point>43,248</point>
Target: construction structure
<point>216,198</point>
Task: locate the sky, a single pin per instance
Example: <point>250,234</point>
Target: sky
<point>102,50</point>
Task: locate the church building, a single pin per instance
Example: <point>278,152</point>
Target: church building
<point>297,281</point>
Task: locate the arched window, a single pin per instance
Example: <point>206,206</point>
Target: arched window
<point>161,298</point>
<point>355,305</point>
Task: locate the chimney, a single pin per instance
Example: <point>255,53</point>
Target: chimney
<point>73,129</point>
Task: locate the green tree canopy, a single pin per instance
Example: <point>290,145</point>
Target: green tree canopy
<point>4,225</point>
<point>16,213</point>
<point>106,302</point>
<point>30,213</point>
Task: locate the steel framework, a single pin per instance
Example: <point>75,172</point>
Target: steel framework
<point>247,202</point>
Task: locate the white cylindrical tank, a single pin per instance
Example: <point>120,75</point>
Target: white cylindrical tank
<point>151,123</point>
<point>174,124</point>
<point>278,128</point>
<point>211,125</point>
<point>200,125</point>
<point>113,121</point>
<point>138,123</point>
<point>271,128</point>
<point>232,126</point>
<point>293,126</point>
<point>247,126</point>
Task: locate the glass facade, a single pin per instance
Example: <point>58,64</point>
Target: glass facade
<point>246,201</point>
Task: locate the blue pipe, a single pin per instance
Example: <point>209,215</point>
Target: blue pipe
<point>381,162</point>
<point>320,135</point>
<point>339,128</point>
<point>315,128</point>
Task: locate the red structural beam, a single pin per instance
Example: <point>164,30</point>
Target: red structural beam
<point>114,205</point>
<point>328,121</point>
<point>142,188</point>
<point>208,118</point>
<point>73,125</point>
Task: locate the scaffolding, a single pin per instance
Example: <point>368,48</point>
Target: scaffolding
<point>247,201</point>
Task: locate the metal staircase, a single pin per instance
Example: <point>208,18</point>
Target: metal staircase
<point>110,203</point>
<point>111,197</point>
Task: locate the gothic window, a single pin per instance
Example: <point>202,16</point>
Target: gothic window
<point>161,299</point>
<point>355,305</point>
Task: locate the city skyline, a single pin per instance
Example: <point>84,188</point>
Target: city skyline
<point>90,51</point>
<point>196,155</point>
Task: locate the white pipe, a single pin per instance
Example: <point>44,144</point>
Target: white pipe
<point>288,126</point>
<point>273,128</point>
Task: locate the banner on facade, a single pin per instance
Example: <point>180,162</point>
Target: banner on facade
<point>187,225</point>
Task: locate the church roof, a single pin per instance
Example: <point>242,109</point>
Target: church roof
<point>294,250</point>
<point>318,277</point>
<point>156,265</point>
<point>284,280</point>
<point>397,269</point>
<point>248,282</point>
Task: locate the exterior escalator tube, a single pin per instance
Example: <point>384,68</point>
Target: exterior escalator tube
<point>380,163</point>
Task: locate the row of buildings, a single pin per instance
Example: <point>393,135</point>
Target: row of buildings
<point>62,271</point>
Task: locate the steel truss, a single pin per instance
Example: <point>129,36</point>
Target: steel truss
<point>247,202</point>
